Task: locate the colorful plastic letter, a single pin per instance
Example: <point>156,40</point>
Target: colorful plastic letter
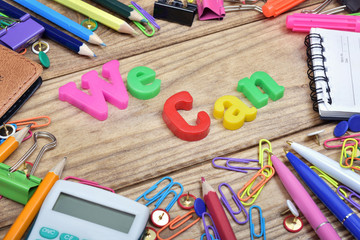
<point>100,91</point>
<point>236,112</point>
<point>177,124</point>
<point>141,83</point>
<point>260,79</point>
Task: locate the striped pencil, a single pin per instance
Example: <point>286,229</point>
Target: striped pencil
<point>50,32</point>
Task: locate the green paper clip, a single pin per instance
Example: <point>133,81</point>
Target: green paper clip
<point>141,27</point>
<point>16,185</point>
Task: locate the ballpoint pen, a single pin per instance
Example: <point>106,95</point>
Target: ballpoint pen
<point>304,201</point>
<point>331,167</point>
<point>330,199</point>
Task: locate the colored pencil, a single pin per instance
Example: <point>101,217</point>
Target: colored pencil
<point>217,212</point>
<point>50,32</point>
<point>121,9</point>
<point>62,21</point>
<point>98,15</point>
<point>30,210</point>
<point>12,143</point>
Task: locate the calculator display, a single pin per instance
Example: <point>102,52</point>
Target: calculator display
<point>93,212</point>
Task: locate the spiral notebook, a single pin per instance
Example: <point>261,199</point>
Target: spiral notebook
<point>334,72</point>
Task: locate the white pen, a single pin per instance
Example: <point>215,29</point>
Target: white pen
<point>344,175</point>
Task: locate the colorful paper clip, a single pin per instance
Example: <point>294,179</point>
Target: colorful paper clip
<point>208,227</point>
<point>182,219</point>
<point>175,198</point>
<point>34,121</point>
<point>340,191</point>
<point>329,179</point>
<point>262,224</point>
<point>346,147</point>
<point>262,150</point>
<point>353,167</point>
<point>146,14</point>
<point>228,166</point>
<point>155,186</point>
<point>142,28</point>
<point>90,183</point>
<point>203,237</point>
<point>238,204</point>
<point>326,142</point>
<point>251,190</point>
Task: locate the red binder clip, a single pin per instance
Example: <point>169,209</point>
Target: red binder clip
<point>177,124</point>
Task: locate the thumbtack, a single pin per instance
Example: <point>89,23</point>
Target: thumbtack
<point>316,134</point>
<point>186,201</point>
<point>160,217</point>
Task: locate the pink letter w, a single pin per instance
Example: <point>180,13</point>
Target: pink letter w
<point>100,91</point>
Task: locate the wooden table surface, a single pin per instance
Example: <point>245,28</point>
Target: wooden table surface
<point>133,148</point>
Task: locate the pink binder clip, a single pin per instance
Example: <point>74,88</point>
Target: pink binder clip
<point>211,9</point>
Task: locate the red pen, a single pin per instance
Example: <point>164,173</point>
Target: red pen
<point>273,8</point>
<point>217,212</point>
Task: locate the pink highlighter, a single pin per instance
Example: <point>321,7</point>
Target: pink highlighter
<point>304,202</point>
<point>303,22</point>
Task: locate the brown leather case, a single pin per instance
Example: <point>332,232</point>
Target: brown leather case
<point>19,79</point>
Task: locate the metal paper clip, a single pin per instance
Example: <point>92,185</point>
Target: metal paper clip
<point>142,27</point>
<point>228,166</point>
<point>262,224</point>
<point>207,227</point>
<point>174,200</point>
<point>34,121</point>
<point>145,14</point>
<point>326,177</point>
<point>46,147</point>
<point>318,8</point>
<point>346,147</point>
<point>88,182</point>
<point>243,7</point>
<point>177,219</point>
<point>152,188</point>
<point>326,145</point>
<point>254,189</point>
<point>340,191</point>
<point>238,203</point>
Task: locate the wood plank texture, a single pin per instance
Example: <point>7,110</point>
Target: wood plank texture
<point>133,148</point>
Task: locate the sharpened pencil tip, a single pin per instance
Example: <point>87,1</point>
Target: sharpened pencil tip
<point>95,55</point>
<point>144,20</point>
<point>103,44</point>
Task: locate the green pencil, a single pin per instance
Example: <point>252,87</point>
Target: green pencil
<point>121,9</point>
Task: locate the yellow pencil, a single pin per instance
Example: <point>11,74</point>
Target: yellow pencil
<point>12,143</point>
<point>98,15</point>
<point>30,210</point>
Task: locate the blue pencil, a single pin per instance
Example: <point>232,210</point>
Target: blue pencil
<point>50,32</point>
<point>61,20</point>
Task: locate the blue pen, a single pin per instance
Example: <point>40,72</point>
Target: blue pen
<point>331,200</point>
<point>61,21</point>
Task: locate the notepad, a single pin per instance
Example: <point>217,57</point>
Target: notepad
<point>334,72</point>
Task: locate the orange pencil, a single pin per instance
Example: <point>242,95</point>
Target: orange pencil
<point>12,143</point>
<point>30,210</point>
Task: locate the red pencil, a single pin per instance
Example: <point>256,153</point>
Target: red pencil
<point>217,212</point>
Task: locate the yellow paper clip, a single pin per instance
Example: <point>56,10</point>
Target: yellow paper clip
<point>176,220</point>
<point>345,148</point>
<point>262,150</point>
<point>34,121</point>
<point>142,27</point>
<point>329,179</point>
<point>254,189</point>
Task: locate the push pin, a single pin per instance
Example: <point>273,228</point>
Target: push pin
<point>6,131</point>
<point>90,24</point>
<point>160,217</point>
<point>150,234</point>
<point>186,201</point>
<point>41,48</point>
<point>292,223</point>
<point>316,134</point>
<point>26,168</point>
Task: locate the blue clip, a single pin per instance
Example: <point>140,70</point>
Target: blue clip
<point>262,224</point>
<point>152,188</point>
<point>237,203</point>
<point>204,236</point>
<point>165,194</point>
<point>207,227</point>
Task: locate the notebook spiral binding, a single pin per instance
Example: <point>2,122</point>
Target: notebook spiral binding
<point>315,92</point>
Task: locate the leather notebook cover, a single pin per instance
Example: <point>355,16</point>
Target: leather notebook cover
<point>19,79</point>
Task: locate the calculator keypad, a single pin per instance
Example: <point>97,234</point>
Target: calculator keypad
<point>50,233</point>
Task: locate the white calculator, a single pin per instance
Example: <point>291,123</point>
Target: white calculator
<point>74,211</point>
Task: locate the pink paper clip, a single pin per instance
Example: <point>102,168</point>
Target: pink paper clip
<point>211,9</point>
<point>341,139</point>
<point>88,182</point>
